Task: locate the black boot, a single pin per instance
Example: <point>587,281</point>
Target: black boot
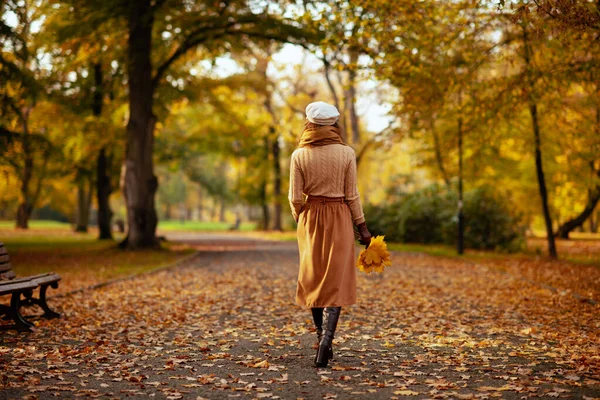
<point>325,351</point>
<point>317,314</point>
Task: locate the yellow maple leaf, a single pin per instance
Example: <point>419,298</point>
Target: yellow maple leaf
<point>375,258</point>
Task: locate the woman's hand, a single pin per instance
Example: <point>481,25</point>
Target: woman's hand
<point>365,235</point>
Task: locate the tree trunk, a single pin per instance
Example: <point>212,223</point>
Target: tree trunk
<point>103,191</point>
<point>538,149</point>
<point>594,222</point>
<point>542,181</point>
<point>103,164</point>
<point>200,205</point>
<point>168,213</point>
<point>351,98</point>
<point>570,225</point>
<point>138,182</point>
<point>336,101</point>
<point>84,200</point>
<point>263,189</point>
<point>438,153</point>
<point>460,246</point>
<point>222,209</point>
<point>276,152</point>
<point>23,215</point>
<point>26,205</point>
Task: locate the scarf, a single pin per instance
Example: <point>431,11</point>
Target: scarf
<point>321,136</point>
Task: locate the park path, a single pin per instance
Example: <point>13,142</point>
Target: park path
<point>224,325</point>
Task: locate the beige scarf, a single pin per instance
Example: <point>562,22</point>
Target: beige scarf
<point>321,136</point>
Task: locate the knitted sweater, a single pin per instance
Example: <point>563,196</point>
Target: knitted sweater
<point>325,171</point>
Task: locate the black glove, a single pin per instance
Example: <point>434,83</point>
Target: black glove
<point>365,235</point>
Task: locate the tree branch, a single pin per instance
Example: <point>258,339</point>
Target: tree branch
<point>248,25</point>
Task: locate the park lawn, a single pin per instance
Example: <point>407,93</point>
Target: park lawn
<point>80,258</point>
<point>202,226</point>
<point>38,224</point>
<point>585,251</point>
<point>168,225</point>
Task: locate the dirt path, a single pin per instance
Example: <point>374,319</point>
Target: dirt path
<point>224,325</point>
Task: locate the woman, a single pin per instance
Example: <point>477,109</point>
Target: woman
<point>323,168</point>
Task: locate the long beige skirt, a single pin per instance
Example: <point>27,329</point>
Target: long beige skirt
<point>327,276</point>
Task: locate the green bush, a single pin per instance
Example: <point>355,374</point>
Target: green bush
<point>430,216</point>
<point>492,221</point>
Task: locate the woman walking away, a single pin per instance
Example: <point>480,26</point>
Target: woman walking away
<point>323,168</point>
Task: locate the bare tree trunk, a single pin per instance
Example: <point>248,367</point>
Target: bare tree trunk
<point>222,209</point>
<point>538,148</point>
<point>23,215</point>
<point>438,153</point>
<point>103,191</point>
<point>461,215</point>
<point>542,181</point>
<point>103,164</point>
<point>214,211</point>
<point>277,187</point>
<point>336,101</point>
<point>263,189</point>
<point>84,201</point>
<point>593,199</point>
<point>168,213</point>
<point>138,182</point>
<point>570,225</point>
<point>351,98</point>
<point>200,205</point>
<point>593,194</point>
<point>343,120</point>
<point>594,222</point>
<point>25,206</point>
<point>27,198</point>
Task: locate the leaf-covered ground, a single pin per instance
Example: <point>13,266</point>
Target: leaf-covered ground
<point>224,325</point>
<point>79,258</point>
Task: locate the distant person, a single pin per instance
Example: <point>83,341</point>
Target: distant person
<point>323,167</point>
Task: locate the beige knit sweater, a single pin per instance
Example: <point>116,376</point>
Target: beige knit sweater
<point>325,171</point>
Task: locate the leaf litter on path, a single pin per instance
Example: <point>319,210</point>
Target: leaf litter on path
<point>227,325</point>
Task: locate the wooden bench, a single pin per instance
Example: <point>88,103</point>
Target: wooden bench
<point>17,287</point>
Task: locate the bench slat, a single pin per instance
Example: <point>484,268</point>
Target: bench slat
<point>10,274</point>
<point>5,267</point>
<point>18,280</point>
<point>4,258</point>
<point>45,278</point>
<point>8,287</point>
<point>3,250</point>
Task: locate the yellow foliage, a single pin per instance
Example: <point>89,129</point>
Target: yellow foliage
<point>375,257</point>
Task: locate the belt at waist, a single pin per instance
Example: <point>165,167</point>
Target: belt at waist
<point>323,199</point>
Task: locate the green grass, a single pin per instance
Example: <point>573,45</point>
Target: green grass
<point>583,258</point>
<point>432,249</point>
<point>202,226</point>
<point>38,224</point>
<point>168,225</point>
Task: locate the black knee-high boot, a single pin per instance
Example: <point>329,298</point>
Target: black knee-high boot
<point>325,351</point>
<point>317,314</point>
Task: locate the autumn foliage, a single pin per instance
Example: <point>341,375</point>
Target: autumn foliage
<point>375,257</point>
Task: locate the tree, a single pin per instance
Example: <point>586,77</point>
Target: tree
<point>578,25</point>
<point>26,147</point>
<point>433,54</point>
<point>181,28</point>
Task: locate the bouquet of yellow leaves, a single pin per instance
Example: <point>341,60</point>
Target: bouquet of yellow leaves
<point>375,257</point>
